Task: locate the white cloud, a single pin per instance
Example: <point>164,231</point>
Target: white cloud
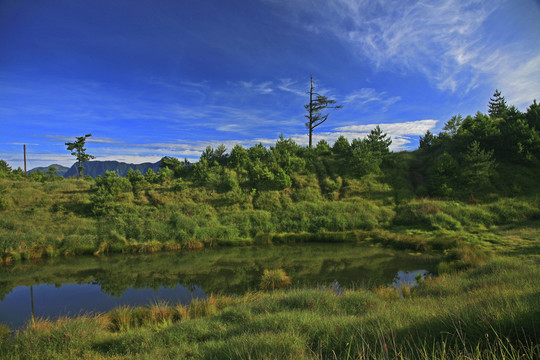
<point>452,42</point>
<point>394,129</point>
<point>520,81</point>
<point>368,95</point>
<point>291,86</point>
<point>403,136</point>
<point>262,88</point>
<point>402,133</point>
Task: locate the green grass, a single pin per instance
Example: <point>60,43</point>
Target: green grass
<point>490,311</point>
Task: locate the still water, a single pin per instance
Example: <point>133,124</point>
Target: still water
<point>73,286</point>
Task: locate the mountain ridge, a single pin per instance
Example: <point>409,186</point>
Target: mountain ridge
<point>98,168</point>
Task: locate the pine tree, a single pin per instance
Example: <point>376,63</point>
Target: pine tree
<point>479,166</point>
<point>77,149</point>
<point>427,140</point>
<point>378,141</point>
<point>317,103</point>
<point>497,105</point>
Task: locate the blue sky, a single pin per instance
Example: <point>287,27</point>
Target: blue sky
<point>156,78</point>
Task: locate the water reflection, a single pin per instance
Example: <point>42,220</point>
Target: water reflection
<point>409,278</point>
<point>75,299</point>
<point>79,285</point>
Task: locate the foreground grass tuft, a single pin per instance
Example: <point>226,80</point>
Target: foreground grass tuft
<point>274,279</point>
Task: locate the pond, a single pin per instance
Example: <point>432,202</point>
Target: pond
<point>72,286</point>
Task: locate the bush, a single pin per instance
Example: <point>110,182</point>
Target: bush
<point>151,177</point>
<point>179,185</point>
<point>282,180</point>
<point>5,202</point>
<point>267,200</point>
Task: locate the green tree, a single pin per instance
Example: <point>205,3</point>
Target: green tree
<point>378,142</point>
<point>178,168</point>
<point>478,166</point>
<point>201,171</point>
<point>341,146</point>
<point>452,126</point>
<point>215,156</point>
<point>443,175</point>
<point>239,158</point>
<point>77,149</point>
<point>497,105</point>
<point>317,103</point>
<point>258,152</point>
<point>151,177</point>
<point>533,115</point>
<point>285,154</point>
<point>51,171</point>
<point>109,189</point>
<point>427,140</point>
<point>363,159</point>
<point>481,128</point>
<point>137,180</point>
<point>323,148</point>
<point>5,169</point>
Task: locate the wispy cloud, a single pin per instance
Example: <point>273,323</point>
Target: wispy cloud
<point>262,88</point>
<point>519,80</point>
<point>93,139</point>
<point>451,42</point>
<point>433,37</point>
<point>368,95</point>
<point>289,85</point>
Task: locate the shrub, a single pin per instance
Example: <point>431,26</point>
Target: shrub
<point>5,332</point>
<point>5,203</point>
<point>267,200</point>
<point>282,180</point>
<point>179,185</point>
<point>306,194</point>
<point>151,177</point>
<point>387,292</point>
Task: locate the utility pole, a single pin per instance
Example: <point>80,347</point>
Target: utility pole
<point>32,299</point>
<point>24,148</point>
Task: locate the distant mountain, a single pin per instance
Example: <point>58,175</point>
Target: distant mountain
<point>98,168</point>
<point>60,170</point>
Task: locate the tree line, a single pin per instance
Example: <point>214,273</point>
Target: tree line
<point>484,152</point>
<point>471,156</point>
